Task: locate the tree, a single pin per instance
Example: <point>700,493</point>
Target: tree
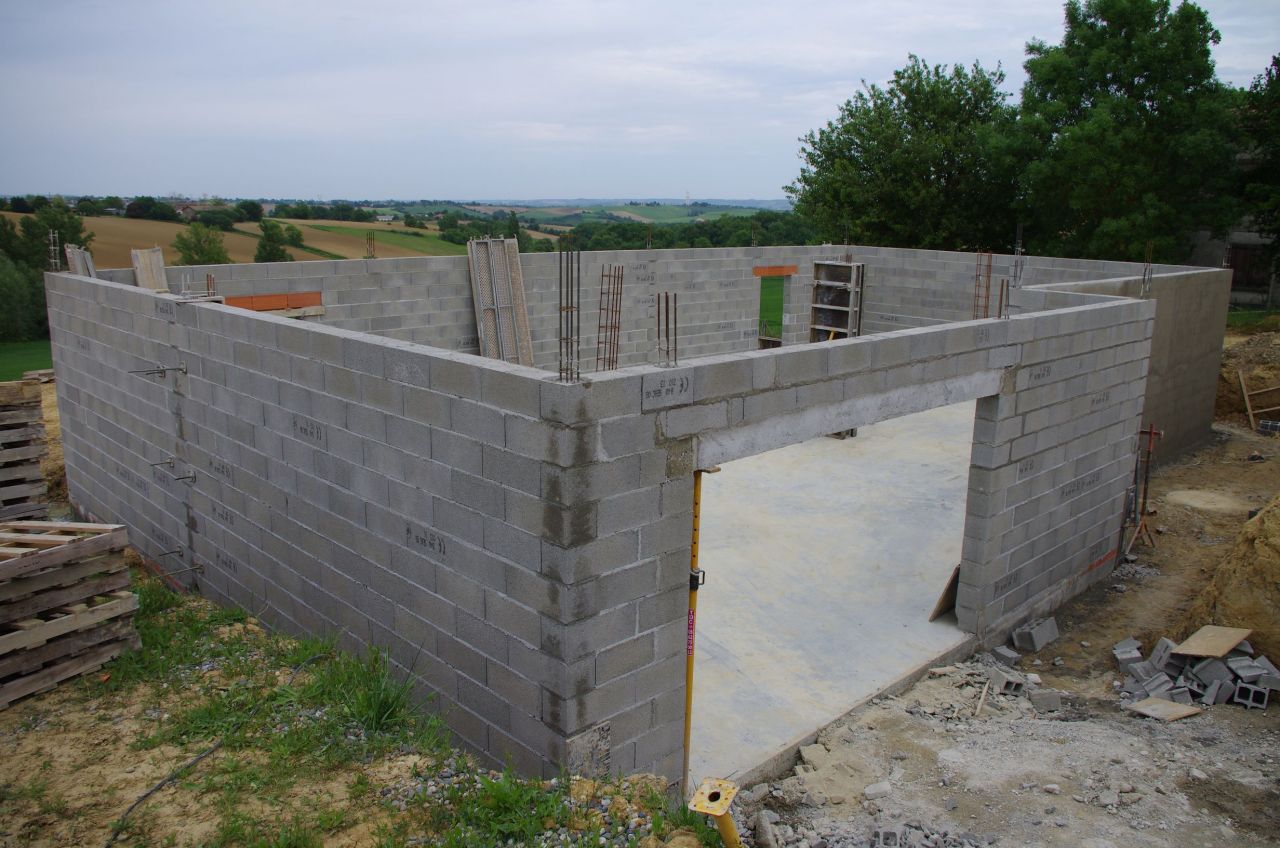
<point>87,206</point>
<point>1262,176</point>
<point>271,245</point>
<point>111,201</point>
<point>252,209</point>
<point>200,245</point>
<point>221,219</point>
<point>292,236</point>
<point>162,211</point>
<point>20,204</point>
<point>17,283</point>
<point>925,162</point>
<point>140,207</point>
<point>33,248</point>
<point>1132,131</point>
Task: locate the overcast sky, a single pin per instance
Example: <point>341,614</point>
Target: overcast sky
<point>490,99</point>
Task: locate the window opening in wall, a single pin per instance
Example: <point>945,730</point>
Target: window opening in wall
<point>772,295</point>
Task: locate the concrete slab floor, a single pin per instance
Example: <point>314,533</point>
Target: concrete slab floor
<point>823,561</point>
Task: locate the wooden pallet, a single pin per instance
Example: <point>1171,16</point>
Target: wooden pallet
<point>22,446</point>
<point>51,675</point>
<point>34,632</point>
<point>27,547</point>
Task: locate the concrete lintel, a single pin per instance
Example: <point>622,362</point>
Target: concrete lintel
<point>779,431</point>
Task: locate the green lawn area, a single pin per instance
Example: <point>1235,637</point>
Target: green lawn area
<point>17,357</point>
<point>429,243</point>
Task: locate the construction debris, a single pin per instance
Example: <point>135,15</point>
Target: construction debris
<point>1215,666</point>
<point>22,447</point>
<point>65,609</point>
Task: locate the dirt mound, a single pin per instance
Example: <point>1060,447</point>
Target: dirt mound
<point>1258,356</point>
<point>1245,588</point>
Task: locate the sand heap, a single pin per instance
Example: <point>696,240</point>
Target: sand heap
<point>1245,589</point>
<point>1258,357</point>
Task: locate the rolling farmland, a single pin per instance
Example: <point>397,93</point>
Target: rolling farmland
<point>114,237</point>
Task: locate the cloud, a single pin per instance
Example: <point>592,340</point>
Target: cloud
<point>419,98</point>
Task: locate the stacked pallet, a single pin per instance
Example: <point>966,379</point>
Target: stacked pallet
<point>22,447</point>
<point>65,608</point>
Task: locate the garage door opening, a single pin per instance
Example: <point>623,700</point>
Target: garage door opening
<point>824,563</point>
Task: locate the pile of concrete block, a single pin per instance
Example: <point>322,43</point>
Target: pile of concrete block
<point>1015,684</point>
<point>1237,677</point>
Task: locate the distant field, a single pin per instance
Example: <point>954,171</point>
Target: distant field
<point>392,241</point>
<point>115,237</point>
<point>668,214</point>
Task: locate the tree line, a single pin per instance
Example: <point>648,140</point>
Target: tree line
<point>1123,136</point>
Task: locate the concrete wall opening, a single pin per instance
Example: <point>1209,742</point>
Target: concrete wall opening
<point>825,560</point>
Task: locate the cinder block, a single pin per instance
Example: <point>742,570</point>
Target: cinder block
<point>1006,682</point>
<point>1161,653</point>
<point>1210,670</point>
<point>1245,669</point>
<point>1046,700</point>
<point>1253,697</point>
<point>1034,635</point>
<point>1006,655</point>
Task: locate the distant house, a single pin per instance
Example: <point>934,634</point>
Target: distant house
<point>385,219</point>
<point>189,211</point>
<point>1245,252</point>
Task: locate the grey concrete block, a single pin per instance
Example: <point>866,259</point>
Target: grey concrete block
<point>1045,700</point>
<point>1005,655</point>
<point>1253,697</point>
<point>1006,682</point>
<point>1035,634</point>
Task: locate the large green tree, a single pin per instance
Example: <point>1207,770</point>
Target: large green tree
<point>18,319</point>
<point>1262,169</point>
<point>33,247</point>
<point>271,245</point>
<point>1132,129</point>
<point>200,245</point>
<point>927,161</point>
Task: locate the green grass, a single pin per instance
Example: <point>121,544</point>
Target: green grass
<point>427,243</point>
<point>292,715</point>
<point>17,357</point>
<point>771,302</point>
<point>1253,320</point>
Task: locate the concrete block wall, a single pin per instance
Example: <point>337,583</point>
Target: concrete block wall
<point>420,501</point>
<point>523,544</point>
<point>1186,348</point>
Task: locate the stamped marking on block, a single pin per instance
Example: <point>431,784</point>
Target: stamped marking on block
<point>983,335</point>
<point>1040,373</point>
<point>311,431</point>
<point>427,540</point>
<point>226,562</point>
<point>223,515</point>
<point>83,344</point>
<point>666,389</point>
<point>164,309</point>
<point>1004,584</point>
<point>469,341</point>
<point>1075,487</point>
<point>1028,466</point>
<point>1100,399</point>
<point>222,468</point>
<point>133,480</point>
<point>641,272</point>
